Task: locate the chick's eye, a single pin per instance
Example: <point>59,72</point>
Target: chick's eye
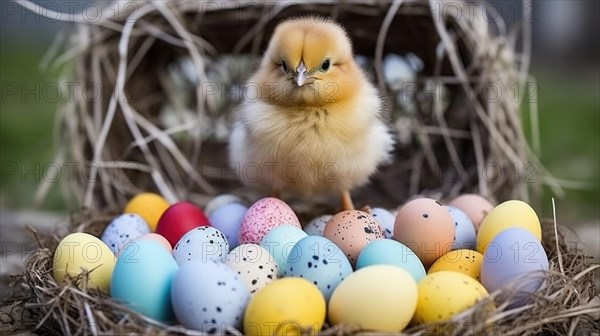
<point>325,66</point>
<point>284,66</point>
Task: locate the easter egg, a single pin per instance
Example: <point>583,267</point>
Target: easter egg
<point>178,219</point>
<point>79,252</point>
<point>426,227</point>
<point>254,265</point>
<point>317,225</point>
<point>204,243</point>
<point>351,231</point>
<point>285,307</point>
<point>280,241</point>
<point>391,252</point>
<point>475,206</point>
<point>463,261</point>
<point>320,261</point>
<point>444,294</point>
<point>149,206</point>
<point>142,279</point>
<point>263,216</point>
<point>464,236</point>
<point>385,219</point>
<point>122,230</point>
<point>208,296</point>
<point>510,214</point>
<point>514,256</point>
<point>155,237</point>
<point>380,298</point>
<point>228,219</point>
<point>221,201</point>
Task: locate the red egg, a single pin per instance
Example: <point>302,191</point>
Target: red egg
<point>178,219</point>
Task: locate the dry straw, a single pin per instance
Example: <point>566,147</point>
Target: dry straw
<point>155,126</point>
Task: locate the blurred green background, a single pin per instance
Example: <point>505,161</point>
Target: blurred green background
<point>568,89</point>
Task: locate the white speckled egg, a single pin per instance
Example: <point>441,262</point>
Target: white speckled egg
<point>316,226</point>
<point>280,241</point>
<point>464,236</point>
<point>221,201</point>
<point>263,216</point>
<point>203,243</point>
<point>318,260</point>
<point>254,265</point>
<point>228,219</point>
<point>122,230</point>
<point>208,296</point>
<point>385,219</point>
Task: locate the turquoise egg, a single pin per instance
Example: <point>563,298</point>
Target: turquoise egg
<point>142,279</point>
<point>391,252</point>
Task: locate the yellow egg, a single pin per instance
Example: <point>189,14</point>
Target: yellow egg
<point>285,307</point>
<point>149,206</point>
<point>380,298</point>
<point>463,261</point>
<point>444,294</point>
<point>79,251</point>
<point>510,214</point>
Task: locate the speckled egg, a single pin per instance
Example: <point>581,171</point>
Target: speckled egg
<point>426,227</point>
<point>385,219</point>
<point>464,236</point>
<point>475,206</point>
<point>228,219</point>
<point>320,261</point>
<point>254,265</point>
<point>316,226</point>
<point>203,243</point>
<point>122,230</point>
<point>280,241</point>
<point>463,261</point>
<point>208,296</point>
<point>351,231</point>
<point>221,201</point>
<point>445,294</point>
<point>391,252</point>
<point>263,216</point>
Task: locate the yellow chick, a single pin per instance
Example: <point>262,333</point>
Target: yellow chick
<point>311,121</point>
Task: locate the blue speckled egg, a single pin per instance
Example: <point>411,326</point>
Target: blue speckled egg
<point>228,219</point>
<point>208,296</point>
<point>318,260</point>
<point>280,241</point>
<point>122,230</point>
<point>142,279</point>
<point>385,219</point>
<point>316,226</point>
<point>465,236</point>
<point>391,252</point>
<point>203,243</point>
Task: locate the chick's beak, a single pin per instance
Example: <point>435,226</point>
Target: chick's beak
<point>301,75</point>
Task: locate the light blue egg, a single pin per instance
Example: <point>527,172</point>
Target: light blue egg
<point>280,241</point>
<point>316,226</point>
<point>318,260</point>
<point>517,259</point>
<point>142,279</point>
<point>204,243</point>
<point>228,219</point>
<point>391,252</point>
<point>208,297</point>
<point>122,230</point>
<point>464,236</point>
<point>386,221</point>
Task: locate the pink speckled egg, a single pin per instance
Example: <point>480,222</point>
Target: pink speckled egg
<point>263,216</point>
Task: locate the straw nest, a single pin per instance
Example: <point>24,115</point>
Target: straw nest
<point>567,303</point>
<point>159,82</point>
<point>153,125</point>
